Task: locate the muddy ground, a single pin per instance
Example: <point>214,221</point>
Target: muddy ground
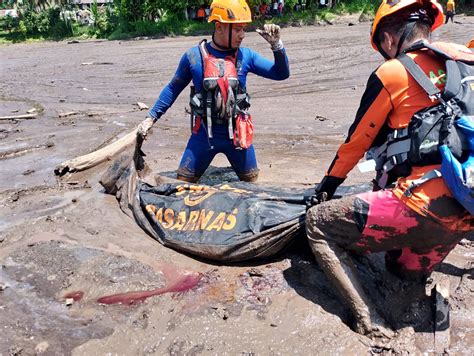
<point>64,244</point>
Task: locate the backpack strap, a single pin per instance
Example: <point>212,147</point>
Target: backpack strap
<point>453,75</point>
<point>203,49</point>
<point>437,50</point>
<point>208,105</point>
<point>422,44</point>
<point>416,46</point>
<point>453,81</point>
<point>423,179</point>
<point>420,76</point>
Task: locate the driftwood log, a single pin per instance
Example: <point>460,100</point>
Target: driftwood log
<point>101,155</point>
<point>19,117</point>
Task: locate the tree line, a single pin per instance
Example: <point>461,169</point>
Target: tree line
<point>57,19</point>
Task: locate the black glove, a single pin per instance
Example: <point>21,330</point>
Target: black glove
<point>329,185</point>
<point>316,199</point>
<point>324,190</point>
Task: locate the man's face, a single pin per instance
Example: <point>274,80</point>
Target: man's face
<point>238,34</point>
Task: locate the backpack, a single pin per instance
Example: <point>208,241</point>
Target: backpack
<point>459,177</point>
<point>433,127</point>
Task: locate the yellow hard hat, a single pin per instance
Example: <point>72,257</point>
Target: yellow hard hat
<point>230,11</point>
<point>391,7</point>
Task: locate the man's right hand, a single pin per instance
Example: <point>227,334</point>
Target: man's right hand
<point>145,126</point>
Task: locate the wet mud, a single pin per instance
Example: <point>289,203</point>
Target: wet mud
<point>64,244</point>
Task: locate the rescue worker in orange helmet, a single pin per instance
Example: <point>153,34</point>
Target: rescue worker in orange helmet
<point>220,120</point>
<point>416,228</point>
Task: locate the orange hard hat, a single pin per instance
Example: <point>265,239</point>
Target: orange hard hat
<point>230,11</point>
<point>471,44</point>
<point>391,7</point>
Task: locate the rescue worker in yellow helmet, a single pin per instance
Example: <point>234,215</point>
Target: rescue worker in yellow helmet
<point>415,222</point>
<point>220,120</point>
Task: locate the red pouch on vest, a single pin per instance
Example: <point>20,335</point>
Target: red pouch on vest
<point>197,125</point>
<point>243,134</point>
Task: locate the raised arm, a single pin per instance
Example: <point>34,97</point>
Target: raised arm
<point>279,69</point>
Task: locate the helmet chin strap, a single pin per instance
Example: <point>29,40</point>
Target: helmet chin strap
<point>406,32</point>
<point>222,48</point>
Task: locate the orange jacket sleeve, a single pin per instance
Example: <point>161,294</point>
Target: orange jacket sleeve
<point>371,116</point>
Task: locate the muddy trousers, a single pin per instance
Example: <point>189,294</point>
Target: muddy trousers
<point>201,150</point>
<point>374,222</point>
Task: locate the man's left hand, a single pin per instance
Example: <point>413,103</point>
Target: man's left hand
<point>271,33</point>
<point>145,126</point>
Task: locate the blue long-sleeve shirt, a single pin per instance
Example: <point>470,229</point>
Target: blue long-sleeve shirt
<point>191,68</point>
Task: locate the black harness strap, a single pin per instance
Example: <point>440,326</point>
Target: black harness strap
<point>408,29</point>
<point>453,75</point>
<point>453,82</point>
<point>419,75</point>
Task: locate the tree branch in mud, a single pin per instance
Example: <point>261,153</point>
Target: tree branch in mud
<point>95,158</point>
<point>19,117</point>
<point>21,151</point>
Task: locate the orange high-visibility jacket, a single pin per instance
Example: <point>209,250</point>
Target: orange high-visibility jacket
<point>391,98</point>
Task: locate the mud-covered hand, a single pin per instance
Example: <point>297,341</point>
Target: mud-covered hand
<point>329,185</point>
<point>271,33</point>
<point>324,190</point>
<point>145,126</point>
<point>316,199</point>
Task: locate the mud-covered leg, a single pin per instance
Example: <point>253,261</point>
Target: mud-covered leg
<point>244,163</point>
<point>338,267</point>
<point>186,179</point>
